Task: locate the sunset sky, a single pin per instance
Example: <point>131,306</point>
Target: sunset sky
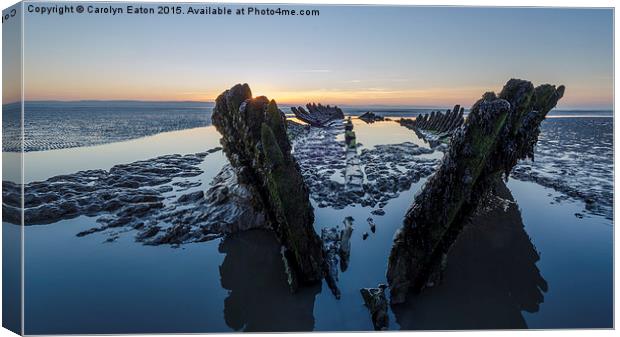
<point>417,56</point>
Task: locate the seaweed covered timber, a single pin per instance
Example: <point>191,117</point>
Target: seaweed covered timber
<point>318,114</point>
<point>500,130</point>
<point>436,127</point>
<point>254,139</point>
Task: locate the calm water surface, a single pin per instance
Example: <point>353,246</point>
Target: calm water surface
<point>82,285</point>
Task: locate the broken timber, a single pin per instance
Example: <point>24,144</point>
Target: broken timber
<point>499,131</point>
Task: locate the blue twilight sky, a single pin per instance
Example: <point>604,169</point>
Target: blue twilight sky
<point>421,56</point>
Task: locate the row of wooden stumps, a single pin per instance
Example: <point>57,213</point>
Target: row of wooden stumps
<point>354,176</point>
<point>317,114</point>
<point>441,122</point>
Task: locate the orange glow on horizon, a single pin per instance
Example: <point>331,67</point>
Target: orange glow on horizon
<point>325,96</point>
<point>368,96</point>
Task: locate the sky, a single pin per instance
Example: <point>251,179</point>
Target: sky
<point>356,55</point>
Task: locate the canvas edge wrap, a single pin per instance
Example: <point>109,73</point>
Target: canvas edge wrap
<point>12,168</point>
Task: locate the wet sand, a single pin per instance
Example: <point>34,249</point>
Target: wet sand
<point>518,265</point>
<point>61,125</point>
<point>575,156</point>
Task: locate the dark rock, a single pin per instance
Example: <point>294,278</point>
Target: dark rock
<point>227,207</point>
<point>372,225</point>
<point>499,131</point>
<point>165,189</point>
<point>378,211</point>
<point>185,185</point>
<point>255,141</point>
<point>88,231</point>
<point>365,235</point>
<point>122,189</point>
<point>149,232</point>
<point>295,129</point>
<point>173,235</point>
<point>376,302</point>
<point>321,155</point>
<point>191,197</point>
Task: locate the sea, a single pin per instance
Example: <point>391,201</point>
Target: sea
<point>554,270</point>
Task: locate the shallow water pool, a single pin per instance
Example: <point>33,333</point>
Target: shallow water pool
<point>85,285</point>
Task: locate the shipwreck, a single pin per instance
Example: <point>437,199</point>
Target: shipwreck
<point>499,131</point>
<point>318,114</point>
<point>255,141</point>
<point>436,127</point>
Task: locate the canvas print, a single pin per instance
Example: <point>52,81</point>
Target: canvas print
<point>212,167</point>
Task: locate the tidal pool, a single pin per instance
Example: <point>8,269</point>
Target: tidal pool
<point>532,264</point>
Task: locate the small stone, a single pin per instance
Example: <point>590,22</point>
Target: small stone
<point>378,211</point>
<point>372,225</point>
<point>191,197</point>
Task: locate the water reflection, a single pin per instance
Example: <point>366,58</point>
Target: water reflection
<point>41,165</point>
<point>259,298</point>
<point>384,132</point>
<point>490,279</point>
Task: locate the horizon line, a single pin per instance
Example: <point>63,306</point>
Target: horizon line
<point>282,103</point>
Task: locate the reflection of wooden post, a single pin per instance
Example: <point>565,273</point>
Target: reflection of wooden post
<point>255,141</point>
<point>498,132</point>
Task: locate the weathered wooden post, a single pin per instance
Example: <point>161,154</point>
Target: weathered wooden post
<point>255,141</point>
<point>498,132</point>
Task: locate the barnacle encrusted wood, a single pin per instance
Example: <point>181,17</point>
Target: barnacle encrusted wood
<point>255,141</point>
<point>498,132</point>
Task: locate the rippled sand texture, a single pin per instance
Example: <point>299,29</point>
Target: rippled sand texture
<point>575,156</point>
<point>514,266</point>
<point>165,201</point>
<point>58,125</point>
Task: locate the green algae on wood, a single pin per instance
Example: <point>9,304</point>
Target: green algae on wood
<point>499,131</point>
<point>254,138</point>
